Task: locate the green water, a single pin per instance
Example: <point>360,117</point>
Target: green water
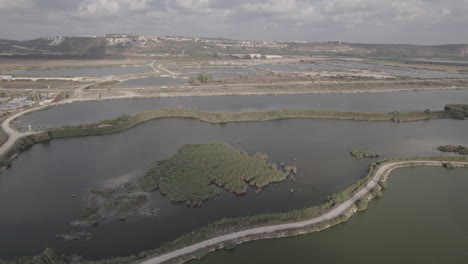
<point>422,218</point>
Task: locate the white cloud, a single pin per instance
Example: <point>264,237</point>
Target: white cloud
<point>98,7</point>
<point>446,11</point>
<point>260,19</point>
<point>9,4</point>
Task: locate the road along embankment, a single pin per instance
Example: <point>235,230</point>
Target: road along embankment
<point>336,215</point>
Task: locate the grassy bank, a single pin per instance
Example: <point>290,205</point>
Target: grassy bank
<point>127,121</point>
<point>3,137</point>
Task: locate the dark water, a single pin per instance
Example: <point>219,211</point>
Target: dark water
<point>88,112</point>
<point>92,72</point>
<point>35,193</point>
<point>422,218</point>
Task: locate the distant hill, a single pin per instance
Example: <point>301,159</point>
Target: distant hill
<point>129,44</point>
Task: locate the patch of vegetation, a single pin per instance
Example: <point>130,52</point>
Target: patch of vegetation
<point>111,204</point>
<point>455,149</point>
<point>126,122</point>
<point>459,111</point>
<point>120,119</point>
<point>360,154</point>
<point>48,256</point>
<point>362,205</point>
<point>377,193</point>
<point>201,78</point>
<point>3,137</point>
<point>383,185</point>
<point>191,176</point>
<point>448,165</point>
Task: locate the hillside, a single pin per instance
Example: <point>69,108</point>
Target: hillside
<point>118,44</point>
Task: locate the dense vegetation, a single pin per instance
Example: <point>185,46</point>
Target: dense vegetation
<point>192,174</point>
<point>455,149</point>
<point>361,154</point>
<point>201,78</point>
<point>459,111</point>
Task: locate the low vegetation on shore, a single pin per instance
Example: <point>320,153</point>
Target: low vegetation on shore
<point>112,204</point>
<point>201,79</point>
<point>459,111</point>
<point>194,173</point>
<point>20,145</point>
<point>454,149</point>
<point>127,121</point>
<point>361,154</point>
<point>3,137</point>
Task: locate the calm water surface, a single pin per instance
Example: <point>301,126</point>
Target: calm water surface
<point>36,192</point>
<point>88,112</point>
<point>422,218</point>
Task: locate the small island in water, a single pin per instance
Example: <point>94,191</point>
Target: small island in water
<point>455,149</point>
<point>193,175</point>
<point>361,154</point>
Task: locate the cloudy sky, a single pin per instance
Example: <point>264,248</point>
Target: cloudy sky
<point>370,21</point>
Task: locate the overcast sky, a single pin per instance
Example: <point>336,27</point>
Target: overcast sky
<point>370,21</point>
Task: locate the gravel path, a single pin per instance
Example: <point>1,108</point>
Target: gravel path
<point>383,171</point>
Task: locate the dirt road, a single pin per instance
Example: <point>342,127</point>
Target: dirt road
<point>383,171</point>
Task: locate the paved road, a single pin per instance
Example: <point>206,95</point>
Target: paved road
<point>13,135</point>
<point>383,171</point>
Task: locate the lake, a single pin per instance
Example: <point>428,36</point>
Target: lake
<point>36,192</point>
<point>94,111</point>
<point>420,219</point>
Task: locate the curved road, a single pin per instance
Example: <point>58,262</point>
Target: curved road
<point>13,134</point>
<point>383,171</point>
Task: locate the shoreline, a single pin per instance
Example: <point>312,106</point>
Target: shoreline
<point>19,141</point>
<point>337,215</point>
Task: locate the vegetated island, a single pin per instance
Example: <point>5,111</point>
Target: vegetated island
<point>194,173</point>
<point>361,154</point>
<point>455,149</point>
